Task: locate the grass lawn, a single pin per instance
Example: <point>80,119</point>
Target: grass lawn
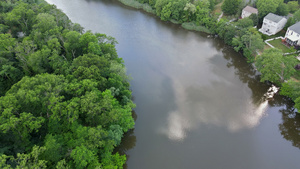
<point>280,33</point>
<point>277,44</point>
<point>266,47</point>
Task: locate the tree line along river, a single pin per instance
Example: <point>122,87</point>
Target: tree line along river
<point>199,103</point>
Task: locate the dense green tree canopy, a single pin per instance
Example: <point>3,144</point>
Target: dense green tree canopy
<point>249,41</point>
<point>293,6</point>
<point>267,6</point>
<point>65,100</point>
<point>291,89</point>
<point>274,66</point>
<point>294,19</point>
<point>230,7</point>
<point>282,9</point>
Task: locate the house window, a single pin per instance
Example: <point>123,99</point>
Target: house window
<point>292,33</point>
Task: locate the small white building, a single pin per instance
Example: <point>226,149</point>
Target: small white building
<point>292,35</point>
<point>272,24</point>
<point>248,10</point>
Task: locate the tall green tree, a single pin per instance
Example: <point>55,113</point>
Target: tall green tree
<point>267,6</point>
<point>7,45</point>
<point>282,9</point>
<point>254,19</point>
<point>274,66</point>
<point>212,4</point>
<point>291,89</point>
<point>294,19</point>
<point>21,16</point>
<point>249,43</point>
<point>293,6</point>
<point>226,31</point>
<point>30,160</point>
<point>84,158</point>
<point>230,7</point>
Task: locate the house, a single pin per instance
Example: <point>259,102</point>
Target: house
<point>272,24</point>
<point>292,35</point>
<point>248,10</point>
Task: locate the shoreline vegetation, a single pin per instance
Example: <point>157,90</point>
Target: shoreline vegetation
<point>138,5</point>
<point>242,34</point>
<point>64,93</point>
<point>194,27</point>
<point>147,8</point>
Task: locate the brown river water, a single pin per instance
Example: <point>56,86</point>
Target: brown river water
<point>199,103</point>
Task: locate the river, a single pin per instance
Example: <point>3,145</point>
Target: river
<point>199,104</point>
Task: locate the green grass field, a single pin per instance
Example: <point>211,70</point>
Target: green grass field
<point>277,44</point>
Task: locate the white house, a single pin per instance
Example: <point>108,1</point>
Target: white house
<point>272,24</point>
<point>248,10</point>
<point>292,35</point>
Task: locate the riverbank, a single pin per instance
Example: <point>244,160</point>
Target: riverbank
<point>138,5</point>
<point>147,8</point>
<point>240,35</point>
<point>198,16</point>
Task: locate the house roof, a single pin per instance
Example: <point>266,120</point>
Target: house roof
<point>250,9</point>
<point>273,17</point>
<point>295,27</point>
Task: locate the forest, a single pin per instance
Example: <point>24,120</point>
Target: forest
<point>65,99</point>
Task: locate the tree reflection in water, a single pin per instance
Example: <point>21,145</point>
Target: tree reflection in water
<point>128,142</point>
<point>290,126</point>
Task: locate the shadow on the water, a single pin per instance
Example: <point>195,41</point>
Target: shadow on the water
<point>290,125</point>
<point>243,70</point>
<point>128,142</point>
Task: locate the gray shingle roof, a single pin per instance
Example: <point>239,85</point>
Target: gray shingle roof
<point>295,27</point>
<point>250,9</point>
<point>273,17</point>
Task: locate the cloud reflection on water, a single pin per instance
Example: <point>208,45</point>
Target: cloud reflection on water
<point>221,99</point>
<point>209,105</point>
